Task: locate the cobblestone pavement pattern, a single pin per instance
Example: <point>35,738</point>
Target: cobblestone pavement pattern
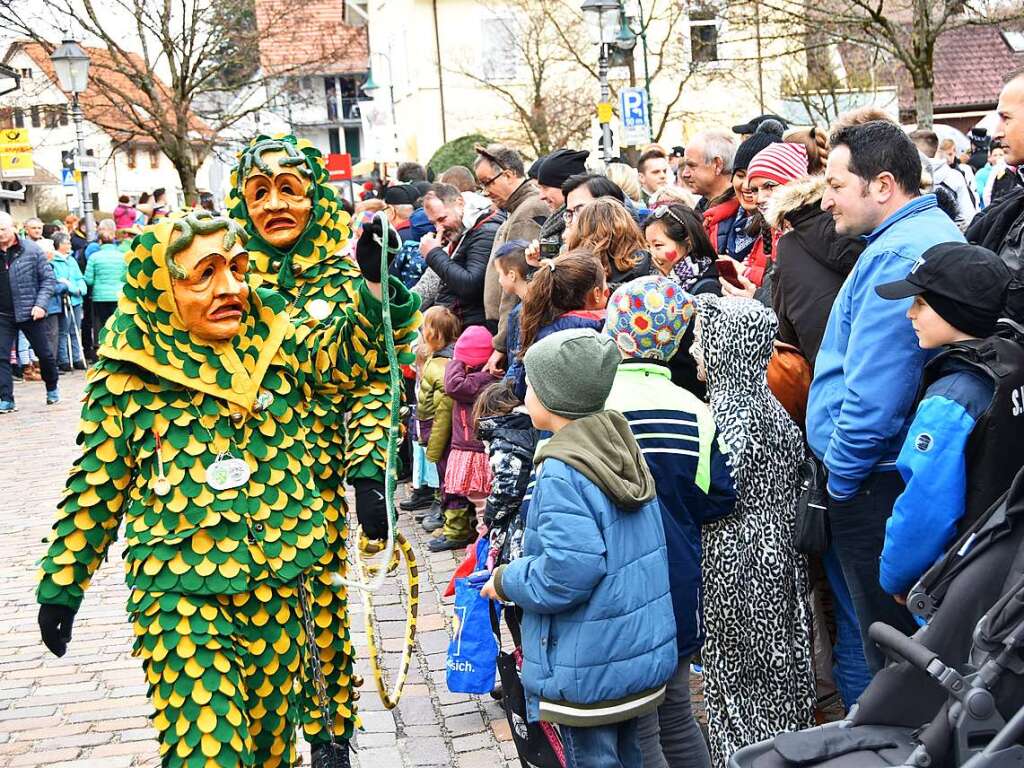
<point>89,708</point>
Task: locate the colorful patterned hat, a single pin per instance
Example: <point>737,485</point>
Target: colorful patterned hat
<point>647,317</point>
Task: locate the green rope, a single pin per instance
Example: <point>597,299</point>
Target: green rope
<point>394,377</point>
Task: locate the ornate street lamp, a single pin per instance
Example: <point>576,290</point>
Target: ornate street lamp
<point>71,63</point>
<point>603,20</point>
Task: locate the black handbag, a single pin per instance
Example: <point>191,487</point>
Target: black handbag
<point>537,744</point>
<point>812,535</point>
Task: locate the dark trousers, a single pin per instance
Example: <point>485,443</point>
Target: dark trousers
<point>35,332</point>
<point>858,533</point>
<point>603,746</point>
<point>101,312</point>
<point>669,737</point>
<point>88,342</point>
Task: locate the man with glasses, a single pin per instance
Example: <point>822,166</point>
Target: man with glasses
<point>502,177</point>
<point>459,252</point>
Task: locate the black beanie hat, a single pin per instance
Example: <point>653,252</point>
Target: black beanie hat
<point>767,133</point>
<point>560,165</point>
<point>534,169</point>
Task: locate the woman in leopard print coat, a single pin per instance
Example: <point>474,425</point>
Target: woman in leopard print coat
<point>758,676</point>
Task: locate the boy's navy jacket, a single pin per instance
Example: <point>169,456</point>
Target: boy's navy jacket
<point>869,365</point>
<point>678,439</point>
<point>933,464</point>
<point>599,638</point>
<point>581,318</point>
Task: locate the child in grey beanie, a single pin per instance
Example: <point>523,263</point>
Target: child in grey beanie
<point>571,372</point>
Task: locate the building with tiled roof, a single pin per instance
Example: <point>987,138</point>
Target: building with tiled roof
<point>317,68</point>
<point>970,66</point>
<point>127,161</point>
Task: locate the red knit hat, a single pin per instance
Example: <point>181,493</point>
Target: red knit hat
<point>474,346</point>
<point>782,162</point>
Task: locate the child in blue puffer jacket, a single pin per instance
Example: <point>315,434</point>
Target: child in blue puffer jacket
<point>599,635</point>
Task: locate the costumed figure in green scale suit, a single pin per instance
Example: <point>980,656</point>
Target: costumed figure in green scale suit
<point>195,431</point>
<point>297,234</point>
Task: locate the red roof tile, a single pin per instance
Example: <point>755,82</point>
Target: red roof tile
<point>110,92</point>
<point>320,43</point>
<point>971,64</point>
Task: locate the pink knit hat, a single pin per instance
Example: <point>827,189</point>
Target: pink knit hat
<point>474,346</point>
<point>782,163</point>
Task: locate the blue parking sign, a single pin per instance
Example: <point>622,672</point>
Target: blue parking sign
<point>636,128</point>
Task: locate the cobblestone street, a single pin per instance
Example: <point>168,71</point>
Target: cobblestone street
<point>89,708</point>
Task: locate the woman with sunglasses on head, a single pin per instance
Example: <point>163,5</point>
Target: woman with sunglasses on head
<point>606,228</point>
<point>680,248</point>
<point>681,251</point>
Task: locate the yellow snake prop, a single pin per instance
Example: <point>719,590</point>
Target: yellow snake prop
<point>397,547</point>
<point>403,551</point>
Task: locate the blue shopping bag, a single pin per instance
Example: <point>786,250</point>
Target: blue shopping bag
<point>473,650</point>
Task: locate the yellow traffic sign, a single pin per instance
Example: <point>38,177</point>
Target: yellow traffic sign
<point>604,112</point>
<point>14,140</point>
<point>15,152</point>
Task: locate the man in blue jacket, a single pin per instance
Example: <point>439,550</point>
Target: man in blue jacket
<point>869,366</point>
<point>27,285</point>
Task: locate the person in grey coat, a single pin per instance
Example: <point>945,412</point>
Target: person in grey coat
<point>27,284</point>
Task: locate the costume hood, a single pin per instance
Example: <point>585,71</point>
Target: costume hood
<point>327,231</point>
<point>147,331</point>
<point>736,337</point>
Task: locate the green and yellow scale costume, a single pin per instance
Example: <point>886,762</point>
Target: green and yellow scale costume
<point>348,428</point>
<point>213,574</point>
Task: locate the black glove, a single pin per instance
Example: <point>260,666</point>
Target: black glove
<point>368,249</point>
<point>55,623</point>
<point>371,511</point>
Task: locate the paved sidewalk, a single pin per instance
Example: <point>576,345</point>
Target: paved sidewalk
<point>89,709</point>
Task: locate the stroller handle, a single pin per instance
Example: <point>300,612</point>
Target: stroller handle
<point>891,639</point>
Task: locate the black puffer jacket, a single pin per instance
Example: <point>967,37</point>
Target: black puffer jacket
<point>811,263</point>
<point>511,441</point>
<point>32,279</point>
<point>1000,228</point>
<point>463,272</point>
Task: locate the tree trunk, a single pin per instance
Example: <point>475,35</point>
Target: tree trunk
<point>187,174</point>
<point>924,105</point>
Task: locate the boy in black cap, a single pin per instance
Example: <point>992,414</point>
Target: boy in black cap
<point>965,443</point>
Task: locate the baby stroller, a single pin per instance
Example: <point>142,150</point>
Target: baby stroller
<point>953,694</point>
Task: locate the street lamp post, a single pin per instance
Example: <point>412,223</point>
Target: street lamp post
<point>604,18</point>
<point>71,63</point>
<point>370,86</point>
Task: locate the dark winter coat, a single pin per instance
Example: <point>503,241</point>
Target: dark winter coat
<point>32,281</point>
<point>811,263</point>
<point>583,318</point>
<point>464,270</point>
<point>1000,228</point>
<point>511,441</point>
<point>463,385</point>
<point>642,269</point>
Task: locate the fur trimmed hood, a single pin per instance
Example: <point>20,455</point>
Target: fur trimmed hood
<point>792,197</point>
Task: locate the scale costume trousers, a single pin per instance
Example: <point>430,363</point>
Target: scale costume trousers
<point>330,614</point>
<point>222,673</point>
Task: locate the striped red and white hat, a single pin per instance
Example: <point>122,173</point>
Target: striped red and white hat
<point>782,163</point>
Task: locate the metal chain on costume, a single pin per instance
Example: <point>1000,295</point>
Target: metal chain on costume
<point>319,681</point>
